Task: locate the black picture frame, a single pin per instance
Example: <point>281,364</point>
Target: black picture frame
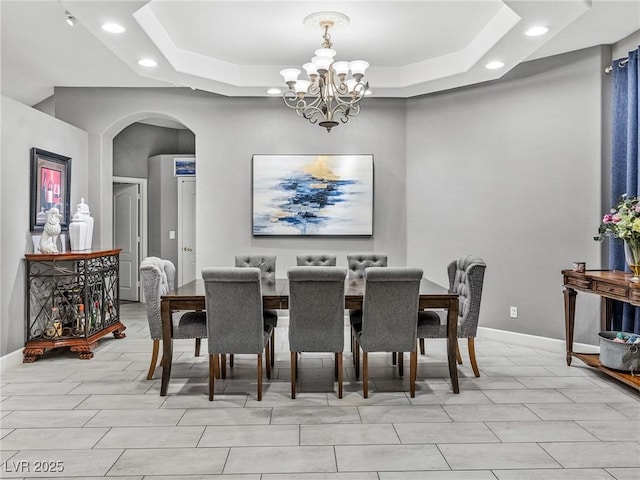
<point>50,187</point>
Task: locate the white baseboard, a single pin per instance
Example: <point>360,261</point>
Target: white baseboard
<point>10,360</point>
<point>533,341</point>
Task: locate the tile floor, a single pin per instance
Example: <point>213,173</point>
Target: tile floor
<point>527,417</point>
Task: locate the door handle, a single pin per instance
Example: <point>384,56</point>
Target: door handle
<point>187,249</point>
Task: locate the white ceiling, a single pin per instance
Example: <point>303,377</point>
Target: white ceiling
<point>237,48</point>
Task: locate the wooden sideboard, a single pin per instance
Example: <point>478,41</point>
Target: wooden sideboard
<point>72,300</point>
<point>610,286</point>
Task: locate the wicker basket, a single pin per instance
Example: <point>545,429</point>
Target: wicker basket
<point>619,356</point>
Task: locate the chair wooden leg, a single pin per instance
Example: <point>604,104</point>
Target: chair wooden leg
<point>272,346</point>
<point>213,367</point>
<point>335,366</point>
<point>400,364</point>
<point>413,373</point>
<point>421,346</point>
<point>294,358</point>
<point>216,369</point>
<point>394,358</point>
<point>231,360</point>
<point>365,374</point>
<point>154,359</point>
<point>259,368</point>
<point>458,356</point>
<point>472,355</point>
<point>223,365</point>
<point>357,358</point>
<point>267,363</point>
<point>197,352</point>
<point>340,369</point>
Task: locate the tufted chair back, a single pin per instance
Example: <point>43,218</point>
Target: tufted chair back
<point>358,262</point>
<point>266,264</point>
<point>316,260</point>
<point>390,309</point>
<point>466,277</point>
<point>233,297</point>
<point>157,279</point>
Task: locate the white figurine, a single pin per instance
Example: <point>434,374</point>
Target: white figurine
<point>81,228</point>
<point>49,237</point>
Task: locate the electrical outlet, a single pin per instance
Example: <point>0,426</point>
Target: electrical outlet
<point>513,312</point>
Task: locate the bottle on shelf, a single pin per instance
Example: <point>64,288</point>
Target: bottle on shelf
<point>49,197</point>
<point>81,319</point>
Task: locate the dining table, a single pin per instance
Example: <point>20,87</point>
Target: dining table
<point>275,296</point>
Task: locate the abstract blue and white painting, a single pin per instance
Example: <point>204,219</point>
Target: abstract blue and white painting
<point>312,194</point>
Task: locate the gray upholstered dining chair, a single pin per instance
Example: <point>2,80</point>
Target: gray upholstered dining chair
<point>466,278</point>
<point>316,260</point>
<point>358,262</point>
<point>316,315</point>
<point>235,324</point>
<point>389,317</point>
<point>158,277</point>
<point>267,266</point>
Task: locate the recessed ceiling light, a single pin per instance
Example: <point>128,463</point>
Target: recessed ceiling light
<point>147,62</point>
<point>494,65</point>
<point>113,27</point>
<point>274,91</point>
<point>536,31</point>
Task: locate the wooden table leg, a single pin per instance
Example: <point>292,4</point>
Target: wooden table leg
<point>167,347</point>
<point>569,320</point>
<point>452,342</point>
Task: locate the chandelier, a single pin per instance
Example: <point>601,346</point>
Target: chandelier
<point>328,94</point>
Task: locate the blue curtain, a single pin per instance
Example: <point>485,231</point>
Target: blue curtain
<point>624,162</point>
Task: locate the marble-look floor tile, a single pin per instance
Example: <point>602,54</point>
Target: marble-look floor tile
<point>42,402</point>
<point>527,396</point>
<point>554,474</point>
<point>600,395</point>
<point>490,383</point>
<point>402,414</point>
<point>624,473</point>
<point>439,475</point>
<point>250,435</point>
<point>48,418</point>
<point>170,461</point>
<point>612,431</point>
<point>348,434</point>
<point>43,388</point>
<point>465,397</point>
<point>227,416</point>
<point>629,410</point>
<point>136,418</point>
<point>319,476</point>
<point>470,456</point>
<point>121,402</point>
<point>44,438</point>
<point>587,455</point>
<point>111,388</point>
<point>280,460</point>
<point>487,413</point>
<point>583,411</point>
<point>551,431</point>
<point>317,415</point>
<point>558,382</point>
<point>467,432</point>
<point>379,458</point>
<point>151,437</point>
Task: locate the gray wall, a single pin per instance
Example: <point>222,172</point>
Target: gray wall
<point>163,207</point>
<point>23,128</point>
<point>510,171</point>
<point>136,143</point>
<point>228,132</point>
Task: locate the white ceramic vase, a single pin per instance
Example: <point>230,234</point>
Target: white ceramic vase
<point>81,228</point>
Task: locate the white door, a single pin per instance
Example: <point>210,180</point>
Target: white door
<point>126,235</point>
<point>186,230</point>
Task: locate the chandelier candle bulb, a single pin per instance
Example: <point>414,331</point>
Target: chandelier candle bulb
<point>329,94</point>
